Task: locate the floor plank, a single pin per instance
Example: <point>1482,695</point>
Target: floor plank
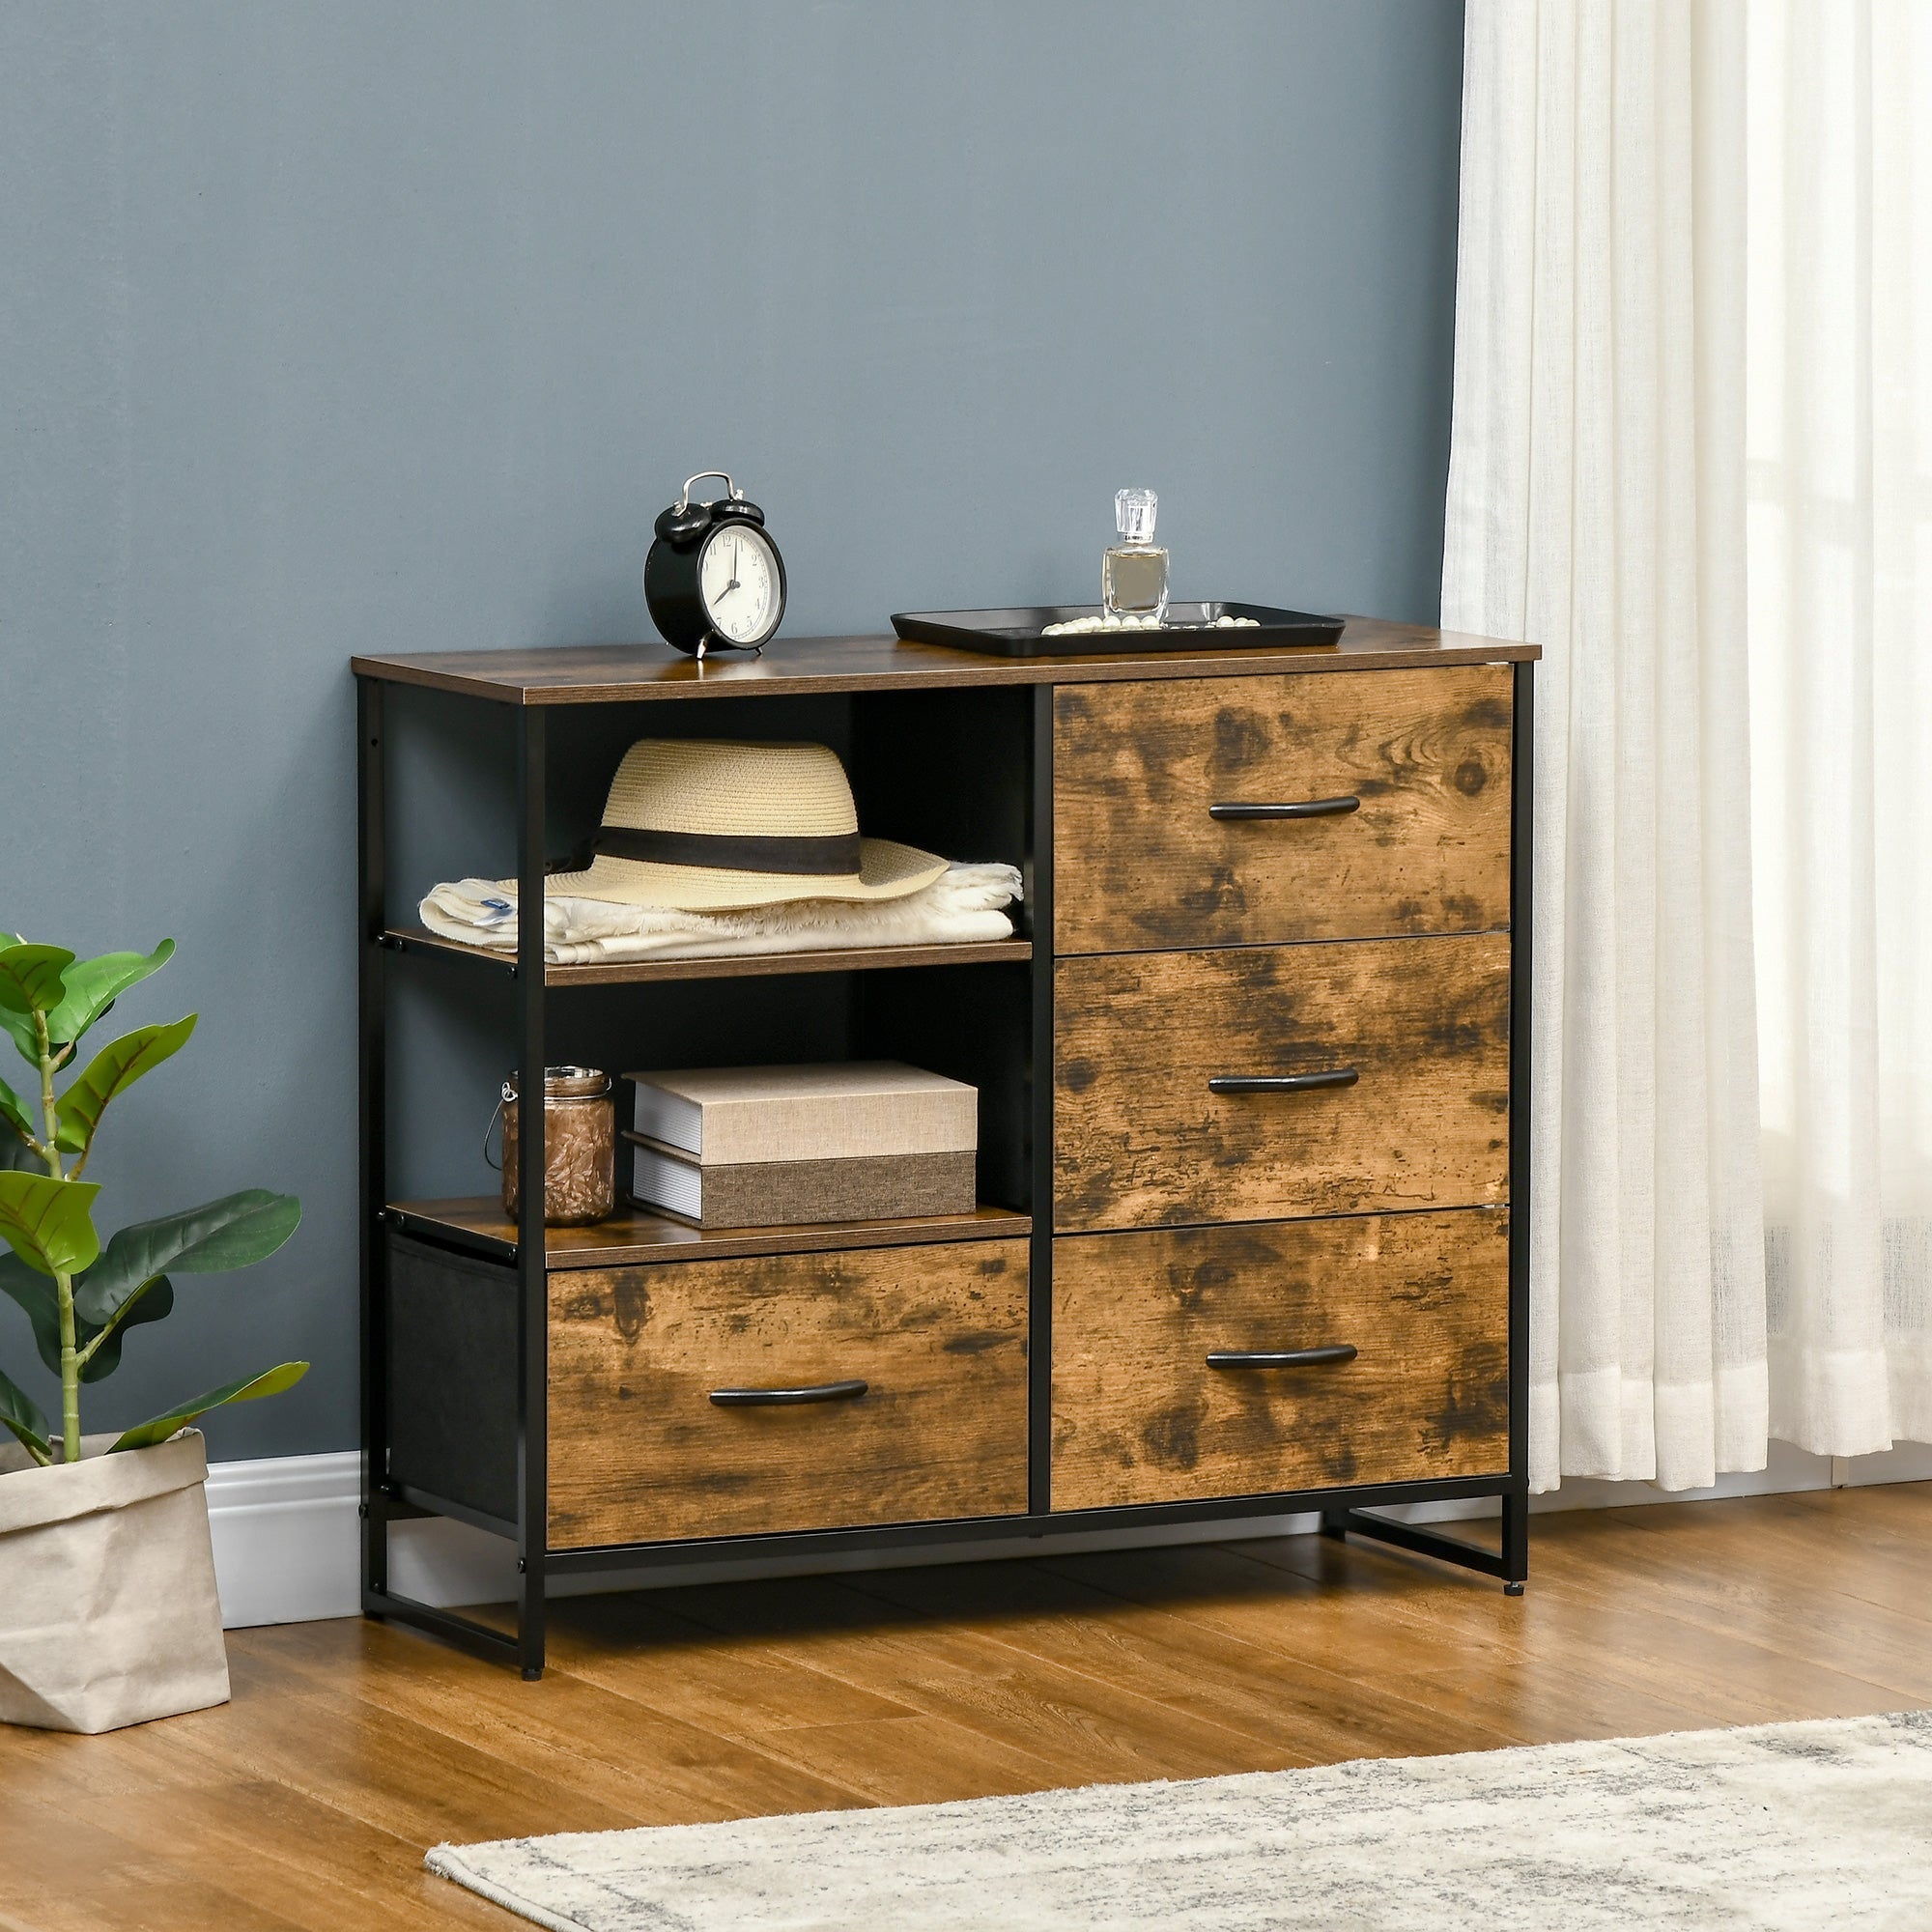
<point>1306,1713</point>
<point>1641,1661</point>
<point>1084,1729</point>
<point>307,1803</point>
<point>1345,1628</point>
<point>584,1737</point>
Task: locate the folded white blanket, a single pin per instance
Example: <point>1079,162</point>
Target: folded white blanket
<point>963,904</point>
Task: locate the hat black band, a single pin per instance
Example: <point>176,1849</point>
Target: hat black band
<point>833,856</point>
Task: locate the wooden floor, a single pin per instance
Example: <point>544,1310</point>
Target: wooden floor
<point>349,1748</point>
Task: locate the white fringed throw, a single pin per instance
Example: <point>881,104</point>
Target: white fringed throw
<point>963,904</point>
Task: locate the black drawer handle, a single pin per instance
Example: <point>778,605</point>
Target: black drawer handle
<point>1282,1083</point>
<point>784,1398</point>
<point>1307,807</point>
<point>1281,1358</point>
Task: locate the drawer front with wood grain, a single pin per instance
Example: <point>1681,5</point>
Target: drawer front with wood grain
<point>1199,1362</point>
<point>787,1392</point>
<point>1224,811</point>
<point>1254,1081</point>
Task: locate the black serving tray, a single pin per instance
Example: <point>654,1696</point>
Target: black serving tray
<point>1016,633</point>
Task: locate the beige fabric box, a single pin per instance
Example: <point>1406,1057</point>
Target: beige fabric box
<point>839,1111</point>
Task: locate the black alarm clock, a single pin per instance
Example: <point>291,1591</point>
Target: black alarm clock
<point>713,578</point>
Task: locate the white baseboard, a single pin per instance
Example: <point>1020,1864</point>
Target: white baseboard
<point>286,1545</point>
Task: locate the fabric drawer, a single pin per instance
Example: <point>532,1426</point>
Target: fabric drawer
<point>1139,1417</point>
<point>639,1449</point>
<point>1408,772</point>
<point>1142,1139</point>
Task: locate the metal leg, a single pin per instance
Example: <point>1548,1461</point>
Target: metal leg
<point>1421,1541</point>
<point>1515,1542</point>
<point>371,1110</point>
<point>1040,1120</point>
<point>1522,831</point>
<point>464,1632</point>
<point>533,1285</point>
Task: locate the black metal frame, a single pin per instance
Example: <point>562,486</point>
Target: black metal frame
<point>384,1501</point>
<point>532,1274</point>
<point>1512,1563</point>
<point>1040,1269</point>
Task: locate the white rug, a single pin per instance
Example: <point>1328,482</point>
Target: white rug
<point>1799,1826</point>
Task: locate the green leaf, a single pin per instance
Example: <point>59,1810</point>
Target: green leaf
<point>19,1025</point>
<point>111,1071</point>
<point>21,1413</point>
<point>21,1031</point>
<point>152,1301</point>
<point>232,1233</point>
<point>249,1389</point>
<point>30,976</point>
<point>13,1110</point>
<point>93,985</point>
<point>46,1221</point>
<point>39,1300</point>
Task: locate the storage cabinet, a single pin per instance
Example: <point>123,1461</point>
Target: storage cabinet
<point>1253,1190</point>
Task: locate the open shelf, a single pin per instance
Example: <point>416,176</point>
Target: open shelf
<point>728,966</point>
<point>631,1236</point>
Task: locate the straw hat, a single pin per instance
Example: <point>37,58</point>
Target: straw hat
<point>700,824</point>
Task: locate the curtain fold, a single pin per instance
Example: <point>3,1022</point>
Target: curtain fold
<point>1595,507</point>
<point>1693,459</point>
<point>1840,600</point>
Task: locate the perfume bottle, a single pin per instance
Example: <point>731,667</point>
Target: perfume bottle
<point>1133,573</point>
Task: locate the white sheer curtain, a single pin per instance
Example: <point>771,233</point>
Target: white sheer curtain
<point>1693,419</point>
<point>1841,577</point>
<point>1595,507</point>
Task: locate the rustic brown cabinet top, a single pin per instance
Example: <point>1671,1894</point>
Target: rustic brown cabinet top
<point>627,673</point>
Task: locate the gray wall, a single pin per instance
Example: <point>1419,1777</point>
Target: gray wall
<point>361,326</point>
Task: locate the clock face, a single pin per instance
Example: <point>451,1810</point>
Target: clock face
<point>738,580</point>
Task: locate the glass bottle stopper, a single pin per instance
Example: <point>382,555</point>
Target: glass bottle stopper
<point>1134,512</point>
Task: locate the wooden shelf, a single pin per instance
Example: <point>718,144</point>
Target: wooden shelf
<point>730,966</point>
<point>631,1235</point>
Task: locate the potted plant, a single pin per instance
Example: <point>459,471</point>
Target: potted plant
<point>109,1613</point>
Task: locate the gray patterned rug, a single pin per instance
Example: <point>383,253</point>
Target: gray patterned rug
<point>1790,1826</point>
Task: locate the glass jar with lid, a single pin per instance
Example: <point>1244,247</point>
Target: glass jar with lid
<point>580,1146</point>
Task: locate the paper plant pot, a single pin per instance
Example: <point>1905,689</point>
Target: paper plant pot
<point>108,1615</point>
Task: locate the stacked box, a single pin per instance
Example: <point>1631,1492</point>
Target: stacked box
<point>762,1147</point>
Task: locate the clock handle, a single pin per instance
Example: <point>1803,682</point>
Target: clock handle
<point>724,476</point>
